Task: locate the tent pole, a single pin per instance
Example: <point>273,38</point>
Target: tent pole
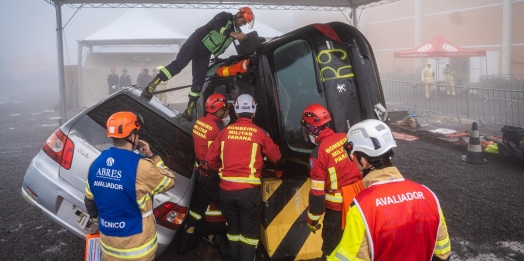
<point>486,58</point>
<point>79,89</point>
<point>394,72</point>
<point>354,11</point>
<point>60,47</point>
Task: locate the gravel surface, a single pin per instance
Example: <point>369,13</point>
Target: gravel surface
<point>483,204</point>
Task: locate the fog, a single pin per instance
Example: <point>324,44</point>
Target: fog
<point>28,42</point>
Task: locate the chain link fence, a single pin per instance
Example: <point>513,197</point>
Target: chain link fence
<point>500,106</point>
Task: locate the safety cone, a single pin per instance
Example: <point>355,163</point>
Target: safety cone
<point>474,154</point>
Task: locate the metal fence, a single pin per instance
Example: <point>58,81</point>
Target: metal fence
<point>502,81</point>
<point>498,106</point>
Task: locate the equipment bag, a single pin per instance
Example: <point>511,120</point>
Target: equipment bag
<point>513,134</point>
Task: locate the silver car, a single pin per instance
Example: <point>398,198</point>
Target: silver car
<point>56,178</point>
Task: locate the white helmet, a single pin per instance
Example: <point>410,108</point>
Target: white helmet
<point>245,103</point>
<point>371,137</point>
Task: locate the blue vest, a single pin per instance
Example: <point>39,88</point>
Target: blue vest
<point>112,180</point>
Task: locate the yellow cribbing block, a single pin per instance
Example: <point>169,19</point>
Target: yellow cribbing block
<point>284,231</point>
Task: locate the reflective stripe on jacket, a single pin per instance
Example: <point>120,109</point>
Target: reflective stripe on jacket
<point>331,170</point>
<point>391,219</point>
<point>237,154</point>
<point>213,214</point>
<point>152,178</point>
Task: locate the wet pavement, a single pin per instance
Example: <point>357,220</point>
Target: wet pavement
<point>483,204</point>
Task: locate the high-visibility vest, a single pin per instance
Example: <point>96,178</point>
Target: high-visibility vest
<point>111,179</point>
<point>402,218</point>
<point>216,42</point>
<point>234,69</point>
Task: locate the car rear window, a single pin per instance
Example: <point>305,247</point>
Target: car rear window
<point>165,139</point>
<point>297,88</point>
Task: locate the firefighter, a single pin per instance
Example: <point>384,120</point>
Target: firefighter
<point>335,179</point>
<point>119,190</point>
<point>211,39</point>
<point>112,81</point>
<point>238,152</point>
<point>427,77</point>
<point>449,72</point>
<point>214,229</point>
<point>392,218</point>
<point>206,189</point>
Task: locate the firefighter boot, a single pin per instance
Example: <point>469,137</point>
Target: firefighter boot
<point>147,93</point>
<point>221,243</point>
<point>190,242</point>
<point>191,104</point>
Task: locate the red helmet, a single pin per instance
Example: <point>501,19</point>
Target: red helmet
<point>215,102</point>
<point>316,115</point>
<point>121,124</point>
<point>248,15</point>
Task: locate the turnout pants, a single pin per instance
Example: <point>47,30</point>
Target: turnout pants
<point>450,86</point>
<point>429,85</point>
<point>242,209</point>
<point>331,231</point>
<point>192,50</point>
<point>206,190</point>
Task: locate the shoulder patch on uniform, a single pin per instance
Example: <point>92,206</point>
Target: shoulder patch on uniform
<point>311,164</point>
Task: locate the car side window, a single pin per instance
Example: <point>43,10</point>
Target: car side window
<point>297,88</point>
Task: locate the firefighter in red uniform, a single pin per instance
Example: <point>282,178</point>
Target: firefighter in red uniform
<point>335,179</point>
<point>392,218</point>
<point>205,131</point>
<point>241,147</point>
<point>214,229</point>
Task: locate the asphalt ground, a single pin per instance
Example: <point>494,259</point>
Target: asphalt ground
<point>483,204</point>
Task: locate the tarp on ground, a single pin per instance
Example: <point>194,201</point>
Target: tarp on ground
<point>439,47</point>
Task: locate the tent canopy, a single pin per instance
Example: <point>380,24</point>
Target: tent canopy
<point>439,47</point>
<point>136,27</point>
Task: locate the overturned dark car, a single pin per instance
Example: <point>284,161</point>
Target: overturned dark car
<point>330,64</point>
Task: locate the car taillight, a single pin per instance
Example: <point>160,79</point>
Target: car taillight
<point>170,215</point>
<point>60,148</point>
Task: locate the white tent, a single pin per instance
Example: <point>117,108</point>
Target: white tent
<point>137,28</point>
<point>334,5</point>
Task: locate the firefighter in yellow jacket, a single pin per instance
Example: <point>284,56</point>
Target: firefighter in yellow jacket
<point>392,218</point>
<point>119,191</point>
<point>427,77</point>
<point>449,72</point>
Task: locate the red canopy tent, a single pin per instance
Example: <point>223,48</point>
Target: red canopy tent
<point>437,48</point>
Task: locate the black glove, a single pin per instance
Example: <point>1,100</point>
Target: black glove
<point>147,93</point>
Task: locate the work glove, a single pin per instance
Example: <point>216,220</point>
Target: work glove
<point>313,225</point>
<point>147,93</point>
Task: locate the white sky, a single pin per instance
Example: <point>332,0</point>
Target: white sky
<point>28,32</point>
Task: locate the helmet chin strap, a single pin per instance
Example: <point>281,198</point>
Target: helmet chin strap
<point>133,142</point>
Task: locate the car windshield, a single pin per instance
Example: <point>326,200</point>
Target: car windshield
<point>174,146</point>
<point>297,88</point>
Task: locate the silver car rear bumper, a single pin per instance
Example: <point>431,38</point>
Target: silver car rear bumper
<point>54,194</point>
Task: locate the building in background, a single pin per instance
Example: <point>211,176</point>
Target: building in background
<point>496,26</point>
